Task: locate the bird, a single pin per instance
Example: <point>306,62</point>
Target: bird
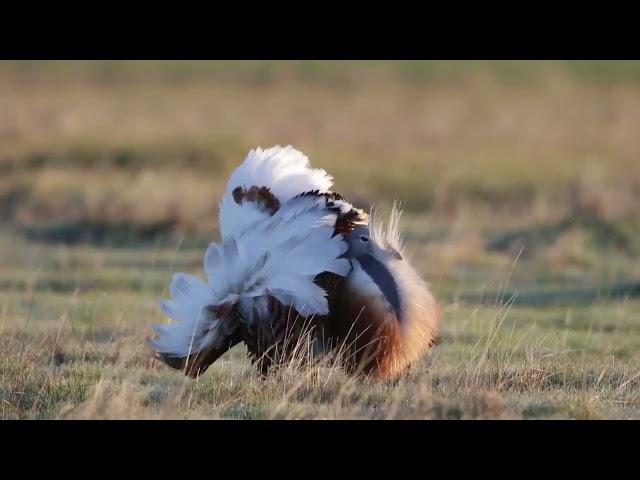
<point>297,261</point>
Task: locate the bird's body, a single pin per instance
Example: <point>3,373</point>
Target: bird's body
<point>297,261</point>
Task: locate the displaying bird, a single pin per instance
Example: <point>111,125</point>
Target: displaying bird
<point>297,261</point>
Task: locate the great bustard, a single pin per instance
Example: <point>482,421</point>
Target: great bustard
<point>294,255</point>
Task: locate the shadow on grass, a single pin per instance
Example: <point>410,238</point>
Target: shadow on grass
<point>621,235</point>
<point>102,233</point>
<point>98,232</point>
<point>555,296</point>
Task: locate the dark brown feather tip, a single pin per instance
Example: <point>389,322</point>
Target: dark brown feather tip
<point>261,196</point>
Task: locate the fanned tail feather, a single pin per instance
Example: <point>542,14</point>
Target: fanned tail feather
<point>279,257</point>
<point>284,171</point>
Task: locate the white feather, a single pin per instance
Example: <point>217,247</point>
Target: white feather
<point>285,171</point>
<point>279,256</point>
<point>391,236</point>
<point>190,296</point>
<point>296,240</point>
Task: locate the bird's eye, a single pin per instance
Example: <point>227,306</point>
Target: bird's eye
<point>363,238</point>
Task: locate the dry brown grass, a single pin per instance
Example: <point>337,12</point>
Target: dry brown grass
<point>82,354</point>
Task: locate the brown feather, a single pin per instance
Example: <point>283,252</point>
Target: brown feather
<point>370,335</point>
<point>196,364</point>
<point>261,196</point>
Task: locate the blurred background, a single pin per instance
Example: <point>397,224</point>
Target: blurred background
<point>485,156</point>
<point>520,182</point>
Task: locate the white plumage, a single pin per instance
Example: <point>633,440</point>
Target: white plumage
<point>279,255</point>
<point>285,171</point>
<point>282,230</point>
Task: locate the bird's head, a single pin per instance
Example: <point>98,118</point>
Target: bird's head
<point>362,243</point>
<point>374,258</point>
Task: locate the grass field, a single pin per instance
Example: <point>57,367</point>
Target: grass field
<point>521,188</point>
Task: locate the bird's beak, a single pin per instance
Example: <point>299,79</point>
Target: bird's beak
<point>386,252</point>
<point>395,253</point>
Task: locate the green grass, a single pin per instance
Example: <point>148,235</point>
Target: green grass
<point>332,72</point>
<point>75,320</point>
